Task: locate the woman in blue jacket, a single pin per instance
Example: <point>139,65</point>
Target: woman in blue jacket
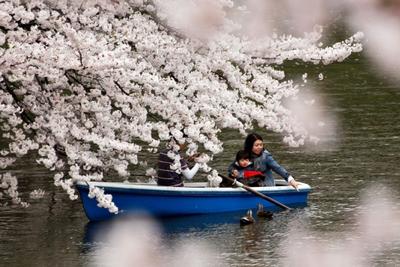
<point>264,162</point>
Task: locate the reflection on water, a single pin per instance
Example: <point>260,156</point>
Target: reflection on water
<point>54,230</point>
<point>373,235</point>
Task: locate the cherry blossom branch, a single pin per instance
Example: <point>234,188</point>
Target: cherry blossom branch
<point>99,84</point>
<point>8,88</point>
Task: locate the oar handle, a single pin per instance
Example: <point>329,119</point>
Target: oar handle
<point>251,190</point>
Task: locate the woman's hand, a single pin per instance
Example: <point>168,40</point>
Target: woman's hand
<point>295,184</point>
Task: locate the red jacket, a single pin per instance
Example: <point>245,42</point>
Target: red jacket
<point>247,174</point>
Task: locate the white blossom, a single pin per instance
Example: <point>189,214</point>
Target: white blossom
<point>304,77</point>
<point>9,187</point>
<point>37,194</point>
<point>213,179</point>
<point>104,200</point>
<point>151,172</point>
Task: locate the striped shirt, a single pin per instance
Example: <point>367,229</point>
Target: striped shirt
<point>167,176</point>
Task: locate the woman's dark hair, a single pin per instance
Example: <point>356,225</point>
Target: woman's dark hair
<point>242,154</point>
<point>249,142</point>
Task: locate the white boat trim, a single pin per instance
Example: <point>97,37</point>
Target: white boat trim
<point>190,187</point>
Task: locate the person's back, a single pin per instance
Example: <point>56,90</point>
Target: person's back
<point>166,175</point>
<point>172,167</point>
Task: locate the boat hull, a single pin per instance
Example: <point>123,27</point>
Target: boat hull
<point>189,200</point>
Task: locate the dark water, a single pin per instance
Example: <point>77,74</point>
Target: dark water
<point>55,231</point>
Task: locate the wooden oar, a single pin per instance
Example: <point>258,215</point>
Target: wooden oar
<point>251,190</point>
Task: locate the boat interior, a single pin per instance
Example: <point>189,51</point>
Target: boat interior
<point>279,182</point>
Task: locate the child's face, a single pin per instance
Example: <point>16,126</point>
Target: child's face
<point>244,162</point>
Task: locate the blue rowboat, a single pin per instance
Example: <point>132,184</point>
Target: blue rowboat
<point>193,198</point>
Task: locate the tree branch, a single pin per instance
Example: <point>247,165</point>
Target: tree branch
<point>8,88</point>
<point>120,87</point>
<point>37,78</point>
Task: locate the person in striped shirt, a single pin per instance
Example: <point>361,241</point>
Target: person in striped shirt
<point>172,167</point>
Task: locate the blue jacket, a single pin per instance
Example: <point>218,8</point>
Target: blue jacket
<point>265,163</point>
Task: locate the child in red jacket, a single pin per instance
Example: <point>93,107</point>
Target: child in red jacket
<point>243,171</point>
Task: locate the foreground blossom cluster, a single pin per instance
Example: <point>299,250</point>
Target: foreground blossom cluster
<point>87,86</point>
